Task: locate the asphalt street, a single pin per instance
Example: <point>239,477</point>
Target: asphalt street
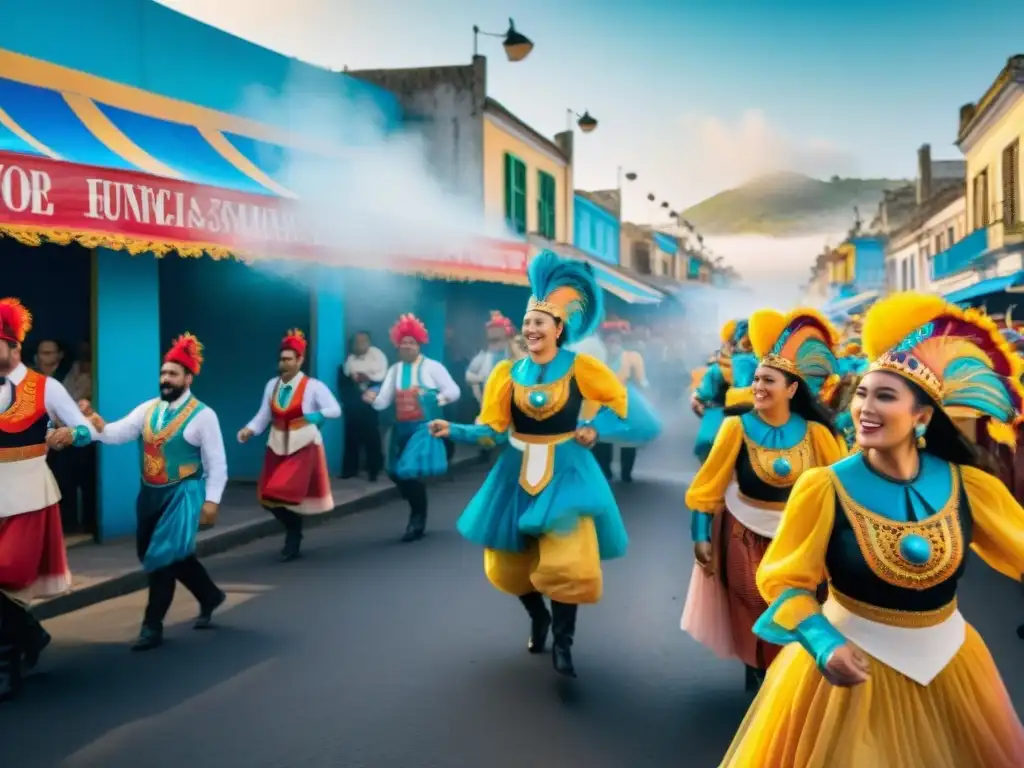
<point>371,653</point>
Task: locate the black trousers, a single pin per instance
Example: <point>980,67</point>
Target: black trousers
<point>604,453</point>
<point>162,582</point>
<point>292,523</point>
<point>415,491</point>
<point>362,435</point>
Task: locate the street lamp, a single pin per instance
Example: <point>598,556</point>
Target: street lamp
<point>585,122</point>
<point>517,46</point>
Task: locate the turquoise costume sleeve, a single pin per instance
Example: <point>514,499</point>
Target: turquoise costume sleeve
<point>744,366</point>
<point>815,633</point>
<point>81,436</point>
<point>711,384</point>
<point>477,434</point>
<point>316,419</point>
<point>700,526</point>
<point>640,426</point>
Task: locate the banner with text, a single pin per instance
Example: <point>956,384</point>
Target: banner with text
<point>51,196</point>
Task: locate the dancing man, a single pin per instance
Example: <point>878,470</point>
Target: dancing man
<point>33,560</point>
<point>184,472</point>
<point>418,387</point>
<point>294,482</point>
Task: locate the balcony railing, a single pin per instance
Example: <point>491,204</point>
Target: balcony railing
<point>960,255</point>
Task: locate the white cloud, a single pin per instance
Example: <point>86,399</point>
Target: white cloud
<point>729,153</point>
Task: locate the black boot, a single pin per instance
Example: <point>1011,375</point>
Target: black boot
<point>563,625</point>
<point>150,637</point>
<point>10,667</point>
<point>417,496</point>
<point>1020,631</point>
<point>754,678</point>
<point>540,621</point>
<point>205,618</point>
<point>35,642</point>
<point>292,549</point>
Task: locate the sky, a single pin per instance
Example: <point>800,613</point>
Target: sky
<point>694,97</point>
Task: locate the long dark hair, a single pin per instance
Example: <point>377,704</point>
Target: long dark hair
<point>945,441</point>
<point>804,403</point>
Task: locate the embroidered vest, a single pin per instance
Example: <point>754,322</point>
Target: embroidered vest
<point>290,416</point>
<point>413,401</point>
<point>168,458</point>
<point>23,424</point>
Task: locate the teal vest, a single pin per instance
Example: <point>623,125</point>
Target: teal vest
<point>167,458</point>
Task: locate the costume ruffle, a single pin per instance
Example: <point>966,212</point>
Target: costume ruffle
<point>423,456</point>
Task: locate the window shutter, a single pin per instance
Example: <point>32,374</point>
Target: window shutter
<point>509,190</point>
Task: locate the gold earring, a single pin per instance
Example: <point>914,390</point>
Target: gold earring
<point>919,432</point>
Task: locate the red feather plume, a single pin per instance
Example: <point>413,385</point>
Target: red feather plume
<point>15,320</point>
<point>498,320</point>
<point>615,326</point>
<point>186,351</point>
<point>409,326</point>
<point>295,340</point>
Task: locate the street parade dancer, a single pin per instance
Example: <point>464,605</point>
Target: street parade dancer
<point>546,515</point>
<point>852,366</point>
<point>294,482</point>
<point>418,387</point>
<point>737,497</point>
<point>499,331</point>
<point>628,365</point>
<point>708,399</point>
<point>887,673</point>
<point>184,473</point>
<point>33,558</point>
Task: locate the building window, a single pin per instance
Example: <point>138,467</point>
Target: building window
<point>515,194</point>
<point>545,205</point>
<point>980,208</point>
<point>1011,183</point>
<point>951,236</point>
<point>938,243</point>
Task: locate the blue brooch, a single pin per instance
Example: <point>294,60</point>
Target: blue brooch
<point>782,467</point>
<point>538,398</point>
<point>915,549</point>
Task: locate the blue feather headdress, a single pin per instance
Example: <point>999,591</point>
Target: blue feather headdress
<point>568,290</point>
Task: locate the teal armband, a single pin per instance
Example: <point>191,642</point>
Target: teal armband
<point>819,638</point>
<point>700,527</point>
<point>316,419</point>
<point>81,436</point>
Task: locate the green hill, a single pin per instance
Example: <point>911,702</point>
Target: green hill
<point>788,204</point>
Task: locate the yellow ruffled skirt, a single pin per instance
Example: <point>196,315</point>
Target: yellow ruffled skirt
<point>963,719</point>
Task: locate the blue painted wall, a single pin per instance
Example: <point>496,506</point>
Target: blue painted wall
<point>328,349</point>
<point>127,354</point>
<point>596,230</point>
<point>218,71</point>
<point>869,267</point>
<point>240,315</point>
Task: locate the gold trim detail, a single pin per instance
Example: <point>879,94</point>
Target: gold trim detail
<point>543,439</point>
<point>546,306</point>
<point>25,452</point>
<point>920,375</point>
<point>37,236</point>
<point>892,617</point>
<point>800,458</point>
<point>780,363</point>
<point>549,469</point>
<point>557,396</point>
<point>113,138</point>
<point>878,539</point>
<point>229,152</point>
<point>14,127</point>
<point>171,428</point>
<point>770,506</point>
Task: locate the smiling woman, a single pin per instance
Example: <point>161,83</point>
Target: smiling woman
<point>887,672</point>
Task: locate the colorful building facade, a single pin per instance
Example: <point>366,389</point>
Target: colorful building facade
<point>128,153</point>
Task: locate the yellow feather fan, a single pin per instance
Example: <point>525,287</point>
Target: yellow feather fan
<point>728,331</point>
<point>767,325</point>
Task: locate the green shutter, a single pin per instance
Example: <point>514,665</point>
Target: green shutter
<point>509,188</point>
<point>520,196</point>
<point>546,205</point>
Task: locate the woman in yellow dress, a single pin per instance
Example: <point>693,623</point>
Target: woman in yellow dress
<point>737,497</point>
<point>546,516</point>
<point>888,674</point>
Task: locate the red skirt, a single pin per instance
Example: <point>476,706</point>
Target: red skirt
<point>33,558</point>
<point>298,482</point>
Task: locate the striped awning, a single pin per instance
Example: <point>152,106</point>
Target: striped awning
<point>172,150</point>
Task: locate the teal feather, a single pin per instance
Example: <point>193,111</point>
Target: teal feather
<point>742,329</point>
<point>548,272</point>
<point>969,383</point>
<point>814,359</point>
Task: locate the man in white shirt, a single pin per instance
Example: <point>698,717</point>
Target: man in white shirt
<point>33,560</point>
<point>365,368</point>
<point>499,330</point>
<point>294,481</point>
<point>184,472</point>
<point>418,387</point>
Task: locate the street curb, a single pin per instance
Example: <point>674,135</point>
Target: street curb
<point>215,544</point>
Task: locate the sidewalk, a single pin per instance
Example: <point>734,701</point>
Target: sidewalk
<point>105,571</point>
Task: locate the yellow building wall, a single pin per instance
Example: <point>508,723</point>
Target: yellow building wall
<point>496,143</point>
<point>988,153</point>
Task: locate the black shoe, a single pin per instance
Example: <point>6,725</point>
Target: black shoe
<point>149,639</point>
<point>1020,631</point>
<point>627,478</point>
<point>292,549</point>
<point>205,619</point>
<point>563,625</point>
<point>35,643</point>
<point>412,534</point>
<point>540,621</point>
<point>10,672</point>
